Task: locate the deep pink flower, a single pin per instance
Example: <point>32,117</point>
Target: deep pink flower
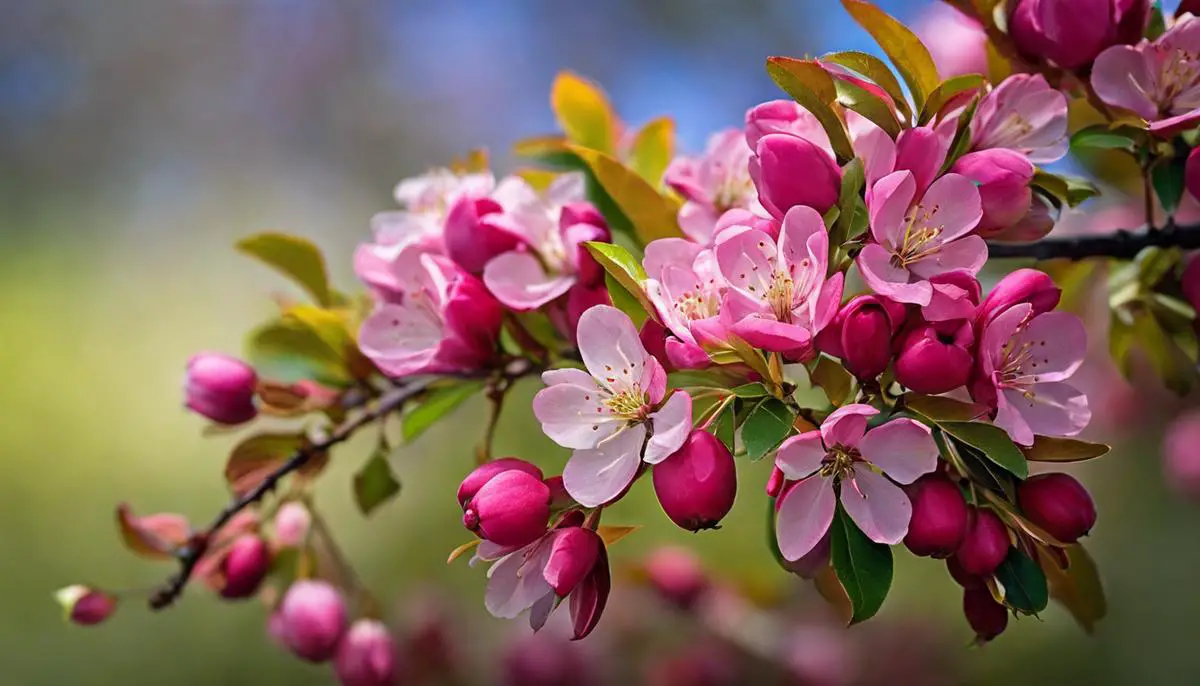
<point>1024,362</point>
<point>1023,114</point>
<point>245,564</point>
<point>955,296</point>
<point>790,171</point>
<point>936,357</point>
<point>221,388</point>
<point>312,619</point>
<point>484,473</point>
<point>1159,81</point>
<point>940,518</point>
<point>844,453</point>
<point>779,297</point>
<point>1002,177</point>
<point>450,323</point>
<point>603,413</point>
<point>511,509</point>
<point>477,229</point>
<point>366,656</point>
<point>1020,286</point>
<point>685,287</point>
<point>917,240</point>
<point>697,484</point>
<point>957,42</point>
<point>717,181</point>
<point>1071,33</point>
<point>787,117</point>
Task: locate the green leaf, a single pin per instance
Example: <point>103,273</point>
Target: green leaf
<point>939,408</point>
<point>374,483</point>
<point>875,70</point>
<point>625,269</point>
<point>750,390</point>
<point>583,112</point>
<point>625,301</point>
<point>854,97</point>
<point>833,378</point>
<point>289,350</point>
<point>1102,137</point>
<point>652,150</point>
<point>296,258</point>
<point>1135,328</point>
<point>962,136</point>
<point>810,85</point>
<point>436,404</point>
<point>1063,190</point>
<point>1079,190</point>
<point>1052,449</point>
<point>1158,23</point>
<point>907,53</point>
<point>1078,587</point>
<point>724,427</point>
<point>1168,180</point>
<point>1024,582</point>
<point>651,214</point>
<point>947,91</point>
<point>765,427</point>
<point>853,180</point>
<point>984,471</point>
<point>863,566</point>
<point>993,442</point>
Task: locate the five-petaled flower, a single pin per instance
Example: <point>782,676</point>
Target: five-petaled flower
<point>1159,81</point>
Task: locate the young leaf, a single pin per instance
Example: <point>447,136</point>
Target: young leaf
<point>765,427</point>
<point>583,112</point>
<point>155,536</point>
<point>624,269</point>
<point>1078,587</point>
<point>724,427</point>
<point>296,258</point>
<point>947,92</point>
<point>863,566</point>
<point>651,214</point>
<point>652,150</point>
<point>939,408</point>
<point>437,404</point>
<point>256,457</point>
<point>1168,181</point>
<point>625,301</point>
<point>907,53</point>
<point>1102,137</point>
<point>810,85</point>
<point>1025,587</point>
<point>750,390</point>
<point>993,442</point>
<point>854,97</point>
<point>1052,449</point>
<point>962,136</point>
<point>833,378</point>
<point>877,71</point>
<point>288,350</point>
<point>375,484</point>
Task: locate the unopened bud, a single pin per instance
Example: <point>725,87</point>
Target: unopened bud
<point>312,620</point>
<point>292,522</point>
<point>221,388</point>
<point>1059,504</point>
<point>511,509</point>
<point>1019,287</point>
<point>676,574</point>
<point>85,605</point>
<point>939,516</point>
<point>697,485</point>
<point>985,545</point>
<point>987,617</point>
<point>366,656</point>
<point>244,567</point>
<point>484,473</point>
<point>934,359</point>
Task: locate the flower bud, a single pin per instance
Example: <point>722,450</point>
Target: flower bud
<point>574,236</point>
<point>987,617</point>
<point>676,574</point>
<point>697,484</point>
<point>861,335</point>
<point>1071,33</point>
<point>1190,281</point>
<point>789,171</point>
<point>935,358</point>
<point>476,231</point>
<point>484,473</point>
<point>956,42</point>
<point>574,552</point>
<point>939,516</point>
<point>985,545</point>
<point>1192,173</point>
<point>1003,178</point>
<point>221,388</point>
<point>961,576</point>
<point>85,605</point>
<point>1059,504</point>
<point>366,656</point>
<point>244,567</point>
<point>580,299</point>
<point>511,509</point>
<point>291,525</point>
<point>312,619</point>
<point>654,339</point>
<point>1181,454</point>
<point>1021,286</point>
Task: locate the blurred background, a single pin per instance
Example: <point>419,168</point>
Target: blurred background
<point>139,140</point>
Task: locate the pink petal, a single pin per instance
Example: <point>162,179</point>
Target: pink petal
<point>518,280</point>
<point>872,145</point>
<point>825,306</point>
<point>879,507</point>
<point>597,476</point>
<point>922,151</point>
<point>684,355</point>
<point>803,241</point>
<point>401,339</point>
<point>674,252</point>
<point>799,456</point>
<point>568,375</point>
<point>747,261</point>
<point>611,349</point>
<point>902,448</point>
<point>511,588</point>
<point>1051,409</point>
<point>1057,343</point>
<point>886,279</point>
<point>1122,77</point>
<point>846,425</point>
<point>1170,126</point>
<point>573,552</point>
<point>887,203</point>
<point>671,423</point>
<point>1010,418</point>
<point>804,516</point>
<point>997,334</point>
<point>539,614</point>
<point>952,204</point>
<point>654,379</point>
<point>575,416</point>
<point>967,254</point>
<point>766,332</point>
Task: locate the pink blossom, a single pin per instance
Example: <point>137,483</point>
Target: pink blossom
<point>1002,177</point>
<point>935,357</point>
<point>713,183</point>
<point>779,297</point>
<point>1159,81</point>
<point>861,334</point>
<point>793,162</point>
<point>616,414</point>
<point>447,322</point>
<point>917,241</point>
<point>1072,32</point>
<point>957,42</point>
<point>686,288</point>
<point>1024,361</point>
<point>788,117</point>
<point>1023,114</point>
<point>844,460</point>
<point>221,388</point>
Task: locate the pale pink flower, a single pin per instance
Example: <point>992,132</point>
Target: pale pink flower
<point>1024,362</point>
<point>956,42</point>
<point>717,181</point>
<point>844,460</point>
<point>686,288</point>
<point>1159,81</point>
<point>779,297</point>
<point>1023,114</point>
<point>915,241</point>
<point>616,414</point>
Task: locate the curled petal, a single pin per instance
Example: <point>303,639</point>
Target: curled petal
<point>846,425</point>
<point>518,280</point>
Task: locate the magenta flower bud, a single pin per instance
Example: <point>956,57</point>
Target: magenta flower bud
<point>511,509</point>
<point>775,116</point>
<point>476,231</point>
<point>1003,177</point>
<point>654,339</point>
<point>589,271</point>
<point>985,545</point>
<point>1021,286</point>
<point>961,576</point>
<point>221,388</point>
<point>366,656</point>
<point>292,522</point>
<point>574,552</point>
<point>861,334</point>
<point>1181,453</point>
<point>939,516</point>
<point>775,483</point>
<point>676,574</point>
<point>987,617</point>
<point>244,567</point>
<point>1058,504</point>
<point>789,171</point>
<point>484,473</point>
<point>1071,33</point>
<point>312,619</point>
<point>580,299</point>
<point>1190,281</point>
<point>935,358</point>
<point>697,484</point>
<point>86,606</point>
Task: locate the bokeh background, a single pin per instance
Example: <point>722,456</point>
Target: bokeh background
<point>138,140</point>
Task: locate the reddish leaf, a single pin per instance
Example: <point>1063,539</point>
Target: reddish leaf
<point>154,536</point>
<point>255,458</point>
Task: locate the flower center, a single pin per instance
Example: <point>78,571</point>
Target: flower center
<point>920,236</point>
<point>839,462</point>
<point>631,404</point>
<point>779,295</point>
<point>699,303</point>
<point>1010,131</point>
<point>1180,72</point>
<point>732,192</point>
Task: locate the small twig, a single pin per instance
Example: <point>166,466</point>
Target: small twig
<point>1123,245</point>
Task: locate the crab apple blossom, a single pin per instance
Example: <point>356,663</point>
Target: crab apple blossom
<point>939,516</point>
<point>510,509</point>
<point>915,242</point>
<point>449,324</point>
<point>244,566</point>
<point>86,606</point>
<point>1028,286</point>
<point>484,473</point>
<point>477,229</point>
<point>861,334</point>
<point>366,656</point>
<point>935,357</point>
<point>717,181</point>
<point>697,484</point>
<point>779,297</point>
<point>616,414</point>
<point>1157,80</point>
<point>1181,454</point>
<point>785,117</point>
<point>1023,364</point>
<point>841,461</point>
<point>1025,115</point>
<point>686,288</point>
<point>986,544</point>
<point>988,619</point>
<point>1071,33</point>
<point>1002,177</point>
<point>1058,504</point>
<point>221,388</point>
<point>956,42</point>
<point>312,620</point>
<point>955,296</point>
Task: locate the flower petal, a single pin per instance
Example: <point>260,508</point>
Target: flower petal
<point>800,456</point>
<point>846,425</point>
<point>887,204</point>
<point>951,205</point>
<point>888,280</point>
<point>1050,409</point>
<point>879,507</point>
<point>746,259</point>
<point>671,424</point>
<point>967,254</point>
<point>596,476</point>
<point>1056,343</point>
<point>611,349</point>
<point>518,280</point>
<point>902,448</point>
<point>804,516</point>
<point>1122,77</point>
<point>575,416</point>
<point>515,583</point>
<point>400,339</point>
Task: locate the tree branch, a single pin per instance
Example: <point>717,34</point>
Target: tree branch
<point>1123,245</point>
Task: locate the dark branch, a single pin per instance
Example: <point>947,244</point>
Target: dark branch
<point>1123,245</point>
